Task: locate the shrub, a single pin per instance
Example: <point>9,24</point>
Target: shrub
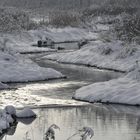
<point>127,51</point>
<point>12,19</point>
<point>128,27</point>
<point>107,9</point>
<point>106,51</point>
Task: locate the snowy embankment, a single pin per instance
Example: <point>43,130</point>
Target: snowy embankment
<point>112,55</point>
<point>124,90</point>
<point>22,42</point>
<point>115,56</point>
<point>16,68</point>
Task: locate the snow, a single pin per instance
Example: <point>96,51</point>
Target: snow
<point>6,116</point>
<point>3,125</point>
<point>5,119</point>
<point>26,113</point>
<point>10,110</point>
<point>124,90</point>
<point>113,55</point>
<point>64,34</point>
<point>17,68</point>
<point>22,42</point>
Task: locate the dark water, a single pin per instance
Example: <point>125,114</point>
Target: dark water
<point>109,122</point>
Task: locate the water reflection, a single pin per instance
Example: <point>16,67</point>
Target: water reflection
<point>108,122</point>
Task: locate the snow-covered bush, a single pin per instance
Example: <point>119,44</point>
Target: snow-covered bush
<point>10,110</point>
<point>12,19</point>
<point>127,51</point>
<point>110,8</point>
<point>105,49</point>
<point>6,118</point>
<point>127,28</point>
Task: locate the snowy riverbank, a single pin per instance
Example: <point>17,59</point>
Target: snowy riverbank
<point>17,68</point>
<point>124,90</point>
<point>22,42</point>
<point>113,55</point>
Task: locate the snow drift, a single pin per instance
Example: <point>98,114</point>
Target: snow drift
<point>124,90</point>
<point>16,68</point>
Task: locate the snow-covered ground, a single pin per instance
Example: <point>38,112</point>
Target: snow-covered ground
<point>124,90</point>
<point>112,55</point>
<point>17,68</point>
<point>22,42</point>
<point>109,55</point>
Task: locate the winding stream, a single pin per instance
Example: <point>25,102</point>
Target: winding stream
<point>108,121</point>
